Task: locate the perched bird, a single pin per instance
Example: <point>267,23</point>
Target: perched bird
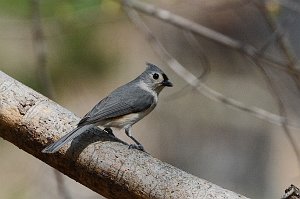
<point>122,108</point>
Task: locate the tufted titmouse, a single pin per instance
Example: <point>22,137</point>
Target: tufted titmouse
<point>122,108</point>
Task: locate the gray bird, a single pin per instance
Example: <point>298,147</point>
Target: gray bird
<point>122,108</point>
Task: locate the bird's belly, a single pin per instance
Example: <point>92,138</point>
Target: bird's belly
<point>123,121</point>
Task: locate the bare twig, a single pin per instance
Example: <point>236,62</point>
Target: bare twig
<point>204,62</point>
<point>191,26</point>
<point>282,110</point>
<point>282,42</point>
<point>286,49</point>
<point>194,81</point>
<point>30,121</point>
<point>194,43</point>
<point>270,40</point>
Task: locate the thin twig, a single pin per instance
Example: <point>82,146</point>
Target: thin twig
<point>270,40</point>
<point>194,43</point>
<point>204,62</point>
<point>282,110</point>
<point>196,28</point>
<point>286,49</point>
<point>282,42</point>
<point>194,81</point>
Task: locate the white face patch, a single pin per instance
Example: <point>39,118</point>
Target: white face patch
<point>145,87</point>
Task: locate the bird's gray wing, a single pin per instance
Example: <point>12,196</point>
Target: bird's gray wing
<point>117,104</point>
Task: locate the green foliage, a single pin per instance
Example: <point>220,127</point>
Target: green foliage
<point>77,53</point>
<point>72,30</point>
<point>65,9</point>
<point>14,7</point>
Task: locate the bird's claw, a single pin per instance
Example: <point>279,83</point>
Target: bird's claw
<point>137,146</point>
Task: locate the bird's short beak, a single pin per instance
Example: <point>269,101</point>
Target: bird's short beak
<point>167,83</point>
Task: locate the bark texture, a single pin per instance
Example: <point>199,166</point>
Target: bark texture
<point>31,121</point>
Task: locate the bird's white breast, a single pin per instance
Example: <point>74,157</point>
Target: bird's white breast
<point>123,121</point>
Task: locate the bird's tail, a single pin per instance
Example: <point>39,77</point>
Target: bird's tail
<point>54,147</point>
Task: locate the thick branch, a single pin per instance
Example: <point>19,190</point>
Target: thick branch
<point>31,121</point>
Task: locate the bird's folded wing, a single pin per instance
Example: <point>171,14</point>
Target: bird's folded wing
<point>116,105</point>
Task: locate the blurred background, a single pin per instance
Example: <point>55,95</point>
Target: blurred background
<point>76,52</point>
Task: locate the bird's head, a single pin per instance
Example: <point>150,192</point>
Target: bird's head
<point>154,78</point>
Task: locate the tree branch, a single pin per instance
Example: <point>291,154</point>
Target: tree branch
<point>31,121</point>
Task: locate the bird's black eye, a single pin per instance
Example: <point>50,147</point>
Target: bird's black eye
<point>155,76</point>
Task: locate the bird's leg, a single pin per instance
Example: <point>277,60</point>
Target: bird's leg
<point>137,145</point>
<point>109,131</point>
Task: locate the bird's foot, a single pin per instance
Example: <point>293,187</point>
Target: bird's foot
<point>137,146</point>
<point>109,131</point>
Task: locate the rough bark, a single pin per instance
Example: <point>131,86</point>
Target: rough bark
<point>31,121</point>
